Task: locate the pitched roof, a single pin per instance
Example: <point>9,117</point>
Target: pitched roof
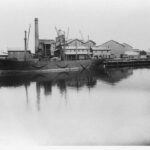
<point>125,44</point>
<point>100,48</point>
<point>68,42</point>
<point>114,42</point>
<point>90,41</point>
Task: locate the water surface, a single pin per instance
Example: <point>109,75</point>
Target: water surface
<point>76,108</point>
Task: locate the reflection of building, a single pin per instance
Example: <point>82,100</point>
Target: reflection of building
<point>80,81</point>
<point>47,85</point>
<point>114,75</point>
<point>38,92</point>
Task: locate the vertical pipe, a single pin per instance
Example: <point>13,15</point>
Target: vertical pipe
<point>36,36</point>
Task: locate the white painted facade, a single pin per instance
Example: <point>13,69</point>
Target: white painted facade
<point>77,52</point>
<point>101,52</point>
<point>73,50</point>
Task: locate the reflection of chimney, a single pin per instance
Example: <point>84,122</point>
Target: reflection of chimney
<point>36,36</point>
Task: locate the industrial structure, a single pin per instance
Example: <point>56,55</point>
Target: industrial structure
<point>71,49</point>
<point>44,48</point>
<point>66,49</point>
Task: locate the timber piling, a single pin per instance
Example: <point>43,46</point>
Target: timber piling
<point>126,63</point>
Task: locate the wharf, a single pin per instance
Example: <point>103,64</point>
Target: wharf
<point>126,63</point>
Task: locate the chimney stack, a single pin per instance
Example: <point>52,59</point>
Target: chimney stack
<point>36,36</point>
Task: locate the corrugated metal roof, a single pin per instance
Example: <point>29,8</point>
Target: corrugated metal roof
<point>100,48</point>
<point>127,45</point>
<point>70,41</point>
<point>113,42</point>
<point>90,41</point>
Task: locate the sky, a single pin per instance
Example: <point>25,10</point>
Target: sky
<point>125,21</point>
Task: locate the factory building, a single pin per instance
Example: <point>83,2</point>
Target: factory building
<point>90,43</point>
<point>77,53</point>
<point>44,48</point>
<point>101,52</point>
<point>77,50</point>
<point>127,47</point>
<point>19,55</point>
<point>116,48</point>
<point>75,42</point>
<point>74,49</point>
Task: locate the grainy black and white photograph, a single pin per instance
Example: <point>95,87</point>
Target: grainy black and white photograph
<point>74,73</point>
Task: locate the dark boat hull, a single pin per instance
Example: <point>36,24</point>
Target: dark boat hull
<point>45,66</point>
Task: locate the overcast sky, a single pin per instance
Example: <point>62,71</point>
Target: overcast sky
<point>126,21</point>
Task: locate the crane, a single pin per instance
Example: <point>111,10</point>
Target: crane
<point>28,36</point>
<point>81,35</point>
<point>67,33</point>
<point>57,31</point>
<point>88,37</point>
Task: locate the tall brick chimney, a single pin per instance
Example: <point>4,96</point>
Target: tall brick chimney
<point>36,35</point>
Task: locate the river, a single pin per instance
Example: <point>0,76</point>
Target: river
<point>76,108</point>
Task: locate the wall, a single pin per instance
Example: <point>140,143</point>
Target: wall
<point>101,53</point>
<point>76,51</point>
<point>116,48</point>
<point>20,55</point>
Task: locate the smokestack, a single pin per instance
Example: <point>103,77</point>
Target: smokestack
<point>36,36</point>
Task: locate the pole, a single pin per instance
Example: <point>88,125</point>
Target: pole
<point>25,44</point>
<point>76,50</point>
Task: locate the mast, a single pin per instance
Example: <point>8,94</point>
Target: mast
<point>25,45</point>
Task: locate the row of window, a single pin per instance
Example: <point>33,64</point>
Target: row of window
<point>78,50</point>
<point>101,51</point>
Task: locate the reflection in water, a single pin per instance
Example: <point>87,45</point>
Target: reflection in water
<point>38,91</point>
<point>63,80</point>
<point>113,76</point>
<point>109,107</point>
<point>66,79</point>
<point>27,96</point>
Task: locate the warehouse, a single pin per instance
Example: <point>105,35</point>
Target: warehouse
<point>101,52</point>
